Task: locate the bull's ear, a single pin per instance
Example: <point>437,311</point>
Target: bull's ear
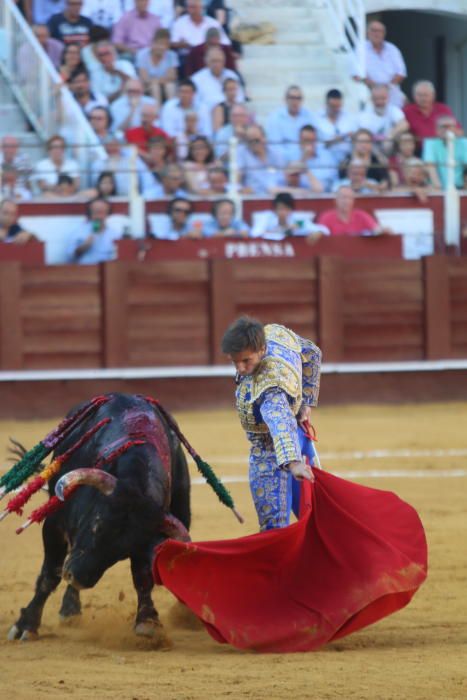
<point>99,479</point>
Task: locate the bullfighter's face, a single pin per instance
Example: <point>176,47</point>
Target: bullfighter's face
<point>247,361</point>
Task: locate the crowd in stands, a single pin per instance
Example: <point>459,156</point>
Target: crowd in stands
<point>164,77</point>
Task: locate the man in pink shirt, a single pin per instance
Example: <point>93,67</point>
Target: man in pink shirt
<point>423,114</point>
<point>135,29</point>
<point>345,220</point>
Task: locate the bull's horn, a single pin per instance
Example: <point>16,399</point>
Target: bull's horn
<point>101,480</point>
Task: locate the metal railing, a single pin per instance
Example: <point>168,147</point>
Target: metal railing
<point>349,29</point>
<point>48,105</point>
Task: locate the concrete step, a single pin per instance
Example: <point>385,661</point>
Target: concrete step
<point>309,38</point>
<point>266,13</point>
<point>290,52</point>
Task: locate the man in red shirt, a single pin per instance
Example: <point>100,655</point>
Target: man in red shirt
<point>423,114</point>
<point>141,135</point>
<point>345,220</point>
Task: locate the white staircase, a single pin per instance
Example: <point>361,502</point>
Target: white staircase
<point>14,123</point>
<point>307,52</point>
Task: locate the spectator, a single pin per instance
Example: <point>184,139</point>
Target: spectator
<point>346,220</point>
<point>223,223</point>
<point>122,164</point>
<point>158,155</point>
<point>104,13</point>
<point>157,67</point>
<point>210,80</point>
<point>11,187</point>
<point>173,111</point>
<point>424,113</point>
<point>218,182</point>
<point>190,29</point>
<point>110,76</point>
<point>80,87</point>
<point>200,156</point>
<point>364,151</point>
<point>89,52</point>
<point>239,120</point>
<point>10,229</point>
<point>101,121</point>
<point>11,155</point>
<point>321,172</point>
<point>358,180</point>
<point>172,184</point>
<point>258,163</point>
<point>435,153</point>
<point>26,55</point>
<point>384,120</point>
<point>283,126</point>
<point>415,179</point>
<point>142,135</point>
<point>94,241</point>
<point>191,131</point>
<point>165,9</point>
<point>177,225</point>
<point>284,222</point>
<point>196,59</point>
<point>384,63</point>
<point>135,29</point>
<point>40,11</point>
<point>71,62</point>
<point>405,150</point>
<point>47,171</point>
<point>70,26</point>
<point>106,185</point>
<point>293,180</point>
<point>221,112</point>
<point>335,127</point>
<point>127,110</point>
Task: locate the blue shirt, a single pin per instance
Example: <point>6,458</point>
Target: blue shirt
<point>101,250</point>
<point>212,228</point>
<point>260,176</point>
<point>283,129</point>
<point>435,151</point>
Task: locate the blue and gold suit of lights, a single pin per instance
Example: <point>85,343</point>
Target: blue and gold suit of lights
<point>268,402</point>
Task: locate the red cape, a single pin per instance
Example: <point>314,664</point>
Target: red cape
<point>356,555</point>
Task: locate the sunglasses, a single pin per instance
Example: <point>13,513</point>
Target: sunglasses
<point>181,210</point>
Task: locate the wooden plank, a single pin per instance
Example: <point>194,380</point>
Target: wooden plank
<point>114,291</point>
<point>437,308</point>
<point>330,320</point>
<point>11,351</point>
<point>222,305</point>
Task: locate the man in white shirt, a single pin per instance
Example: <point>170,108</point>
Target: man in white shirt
<point>126,110</point>
<point>104,13</point>
<point>335,127</point>
<point>210,80</point>
<point>385,121</point>
<point>110,76</point>
<point>190,29</point>
<point>384,63</point>
<point>121,163</point>
<point>283,126</point>
<point>174,111</point>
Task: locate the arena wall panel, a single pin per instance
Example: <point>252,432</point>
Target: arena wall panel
<point>162,314</point>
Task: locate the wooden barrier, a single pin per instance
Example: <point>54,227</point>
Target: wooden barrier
<point>174,313</point>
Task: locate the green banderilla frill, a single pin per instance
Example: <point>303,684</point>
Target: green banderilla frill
<point>26,467</point>
<point>217,486</point>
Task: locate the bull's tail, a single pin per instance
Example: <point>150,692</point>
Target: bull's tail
<point>205,469</point>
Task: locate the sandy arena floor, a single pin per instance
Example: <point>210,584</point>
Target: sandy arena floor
<point>419,653</point>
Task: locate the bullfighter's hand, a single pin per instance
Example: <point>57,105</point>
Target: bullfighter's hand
<point>300,470</point>
<point>304,414</point>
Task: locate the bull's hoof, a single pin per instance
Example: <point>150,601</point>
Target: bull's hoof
<point>70,620</point>
<point>148,628</point>
<point>16,632</point>
<point>153,630</point>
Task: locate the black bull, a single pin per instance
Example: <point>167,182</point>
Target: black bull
<point>123,512</point>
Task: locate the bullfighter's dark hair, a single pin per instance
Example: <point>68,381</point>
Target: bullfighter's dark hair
<point>245,333</point>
